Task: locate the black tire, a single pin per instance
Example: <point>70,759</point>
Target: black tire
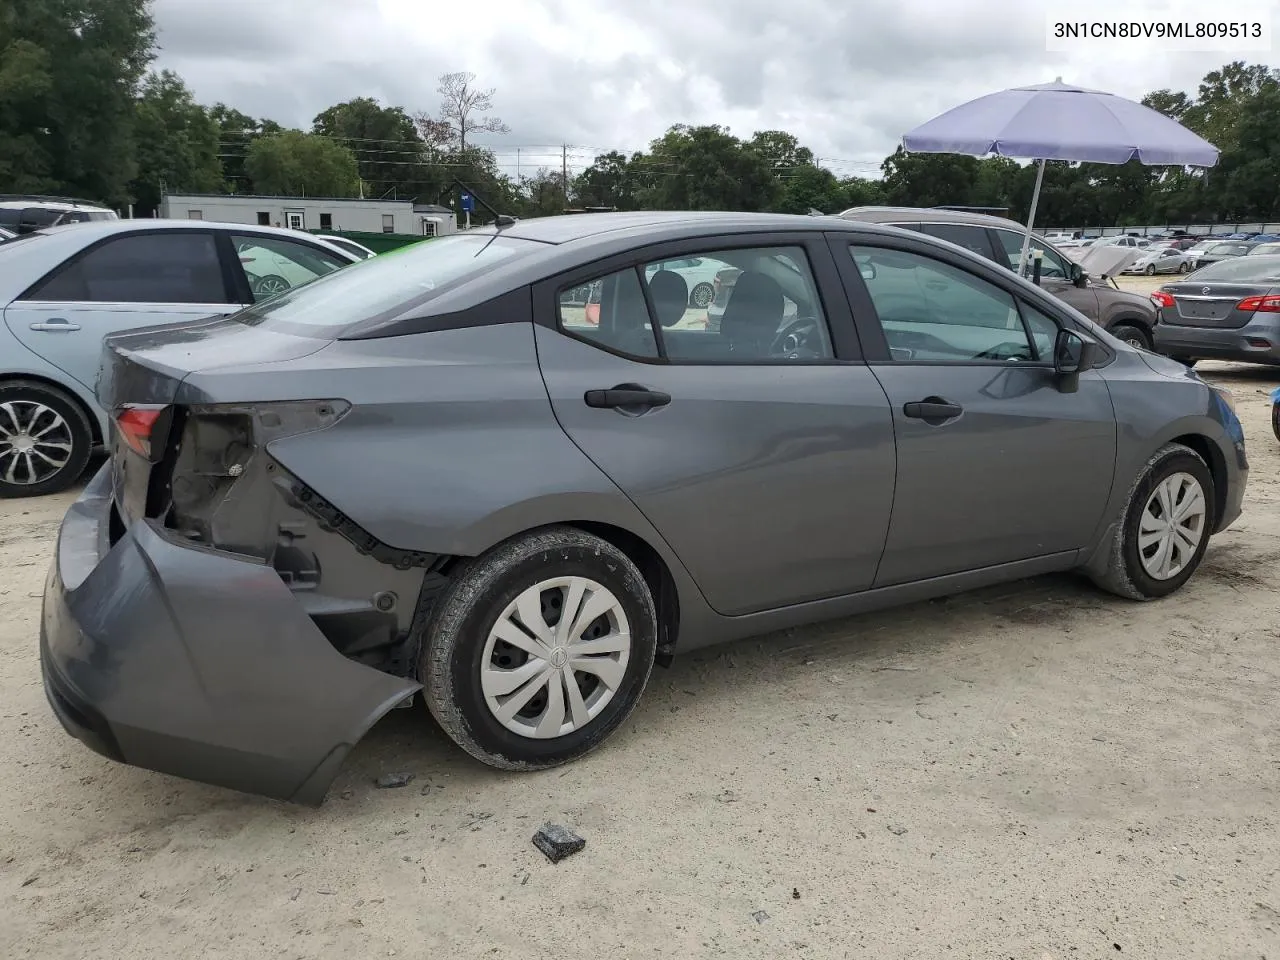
<point>1125,575</point>
<point>1186,361</point>
<point>1184,267</point>
<point>1132,335</point>
<point>77,431</point>
<point>1275,420</point>
<point>1151,270</point>
<point>269,286</point>
<point>701,294</point>
<point>478,593</point>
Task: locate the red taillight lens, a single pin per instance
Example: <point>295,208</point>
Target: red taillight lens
<point>135,424</point>
<point>1267,304</point>
<point>1161,299</point>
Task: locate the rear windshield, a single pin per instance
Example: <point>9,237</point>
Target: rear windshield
<point>1241,270</point>
<point>386,286</point>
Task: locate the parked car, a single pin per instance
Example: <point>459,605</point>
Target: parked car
<point>1136,243</point>
<point>1128,316</point>
<point>62,289</point>
<point>1229,310</point>
<point>24,213</point>
<point>1159,260</point>
<point>421,476</point>
<point>1268,249</point>
<point>358,250</point>
<point>698,273</point>
<point>1202,256</point>
<point>7,234</point>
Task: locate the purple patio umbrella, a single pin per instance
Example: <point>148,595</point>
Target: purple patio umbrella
<point>1057,121</point>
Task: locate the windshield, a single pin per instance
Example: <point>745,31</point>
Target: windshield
<point>1241,270</point>
<point>1228,248</point>
<point>384,286</point>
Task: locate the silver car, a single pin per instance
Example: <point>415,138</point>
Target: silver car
<point>1159,260</point>
<point>64,288</point>
<point>1229,310</point>
<point>430,477</point>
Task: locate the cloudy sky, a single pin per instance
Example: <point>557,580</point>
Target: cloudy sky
<point>848,78</point>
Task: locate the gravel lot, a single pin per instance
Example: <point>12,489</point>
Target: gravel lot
<point>1036,771</point>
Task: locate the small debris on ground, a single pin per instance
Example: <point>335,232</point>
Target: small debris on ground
<point>297,892</point>
<point>389,781</point>
<point>31,879</point>
<point>557,842</point>
<point>795,893</point>
<point>759,916</point>
<point>897,830</point>
<point>727,796</point>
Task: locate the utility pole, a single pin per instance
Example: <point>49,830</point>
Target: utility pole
<point>564,171</point>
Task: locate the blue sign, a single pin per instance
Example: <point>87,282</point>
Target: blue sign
<point>468,203</point>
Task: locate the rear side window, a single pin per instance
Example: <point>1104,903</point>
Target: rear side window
<point>971,238</point>
<point>174,267</point>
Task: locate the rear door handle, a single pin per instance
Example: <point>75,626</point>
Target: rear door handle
<point>56,325</point>
<point>932,410</point>
<point>626,395</point>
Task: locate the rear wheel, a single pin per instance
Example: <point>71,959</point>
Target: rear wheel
<point>45,439</point>
<point>1134,336</point>
<point>701,294</point>
<point>1165,529</point>
<point>1183,267</point>
<point>1275,419</point>
<point>539,649</point>
<point>269,286</point>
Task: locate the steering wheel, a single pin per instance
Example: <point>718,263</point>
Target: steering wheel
<point>793,340</point>
<point>1009,350</point>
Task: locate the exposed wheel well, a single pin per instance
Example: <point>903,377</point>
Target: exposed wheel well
<point>656,574</point>
<point>94,427</point>
<point>1212,456</point>
<point>1132,320</point>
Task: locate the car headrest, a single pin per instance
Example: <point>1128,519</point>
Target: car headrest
<point>755,307</point>
<point>670,295</point>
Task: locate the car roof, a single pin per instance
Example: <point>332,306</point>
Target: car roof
<point>871,214</point>
<point>103,228</point>
<point>654,225</point>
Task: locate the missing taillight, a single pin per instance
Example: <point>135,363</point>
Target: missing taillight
<point>140,426</point>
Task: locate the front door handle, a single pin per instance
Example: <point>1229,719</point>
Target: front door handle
<point>626,395</point>
<point>56,325</point>
<point>932,410</point>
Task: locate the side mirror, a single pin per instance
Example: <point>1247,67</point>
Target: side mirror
<point>867,269</point>
<point>1074,353</point>
<point>1078,277</point>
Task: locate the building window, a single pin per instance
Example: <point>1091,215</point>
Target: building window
<point>264,218</point>
<point>428,227</point>
<point>195,214</point>
<point>326,221</point>
<point>388,223</point>
<point>295,221</point>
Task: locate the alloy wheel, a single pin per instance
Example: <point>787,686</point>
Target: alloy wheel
<point>555,657</point>
<point>1172,526</point>
<point>35,442</point>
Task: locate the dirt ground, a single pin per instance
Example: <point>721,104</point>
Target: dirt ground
<point>1037,771</point>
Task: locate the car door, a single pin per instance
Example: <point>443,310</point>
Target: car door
<point>272,265</point>
<point>761,451</point>
<point>997,462</point>
<point>129,280</point>
<point>1055,274</point>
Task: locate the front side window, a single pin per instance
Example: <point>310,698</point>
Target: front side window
<point>751,305</point>
<point>272,265</point>
<point>932,311</point>
<point>172,267</point>
<point>1052,264</point>
<point>971,238</point>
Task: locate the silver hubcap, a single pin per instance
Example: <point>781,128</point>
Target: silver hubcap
<point>270,286</point>
<point>1172,526</point>
<point>35,442</point>
<point>555,657</point>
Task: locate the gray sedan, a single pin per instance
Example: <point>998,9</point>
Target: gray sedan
<point>435,476</point>
<point>1229,310</point>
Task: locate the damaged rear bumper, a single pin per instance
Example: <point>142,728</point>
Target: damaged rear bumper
<point>196,663</point>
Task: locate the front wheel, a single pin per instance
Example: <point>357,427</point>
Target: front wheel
<point>539,649</point>
<point>1275,419</point>
<point>1151,270</point>
<point>269,286</point>
<point>45,439</point>
<point>1183,267</point>
<point>700,296</point>
<point>1164,532</point>
<point>1134,336</point>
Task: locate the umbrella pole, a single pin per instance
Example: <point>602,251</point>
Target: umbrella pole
<point>1031,219</point>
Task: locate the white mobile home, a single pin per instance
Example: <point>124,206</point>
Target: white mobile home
<point>307,213</point>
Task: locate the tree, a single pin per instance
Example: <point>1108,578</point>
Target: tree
<point>237,131</point>
<point>781,149</point>
<point>297,164</point>
<point>461,106</point>
<point>69,74</point>
<point>388,148</point>
<point>608,182</point>
<point>177,143</point>
<point>706,168</point>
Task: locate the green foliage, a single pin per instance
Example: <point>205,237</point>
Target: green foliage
<point>385,141</point>
<point>177,143</point>
<point>297,164</point>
